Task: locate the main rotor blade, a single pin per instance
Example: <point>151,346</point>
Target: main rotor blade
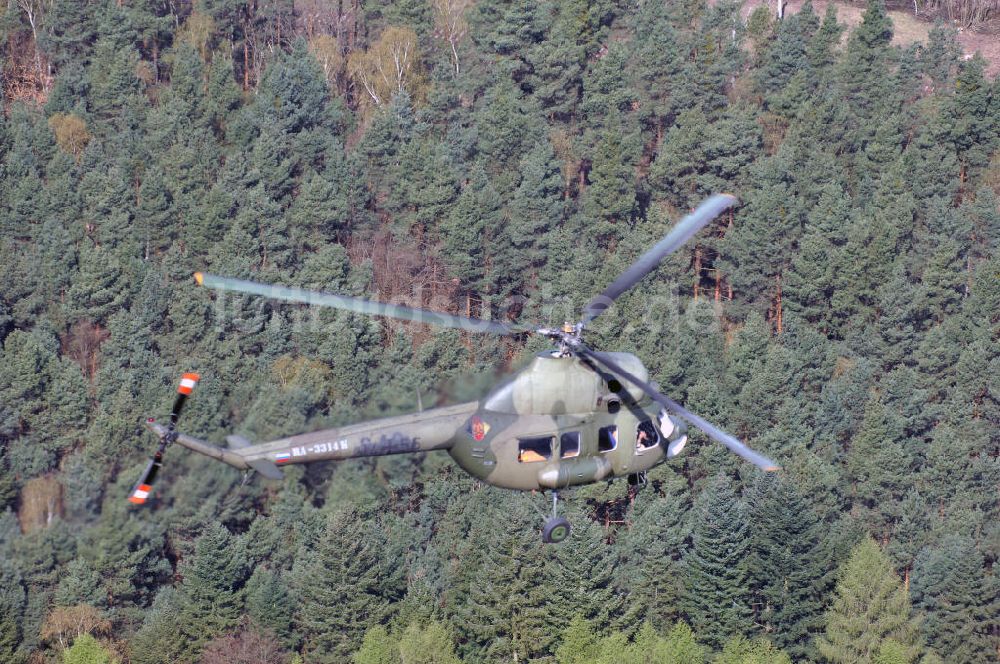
<point>678,235</point>
<point>735,445</point>
<point>354,304</point>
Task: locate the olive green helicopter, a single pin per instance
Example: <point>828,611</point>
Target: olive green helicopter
<point>573,416</point>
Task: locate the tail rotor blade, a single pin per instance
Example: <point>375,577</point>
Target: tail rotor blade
<point>142,488</point>
<point>187,385</point>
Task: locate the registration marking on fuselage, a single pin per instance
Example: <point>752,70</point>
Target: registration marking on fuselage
<point>321,448</point>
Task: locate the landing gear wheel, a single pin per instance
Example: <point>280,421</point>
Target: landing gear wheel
<point>555,530</point>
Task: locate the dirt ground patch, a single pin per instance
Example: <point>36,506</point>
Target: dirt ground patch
<point>907,29</point>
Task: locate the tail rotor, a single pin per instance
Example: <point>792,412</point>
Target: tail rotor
<point>141,490</point>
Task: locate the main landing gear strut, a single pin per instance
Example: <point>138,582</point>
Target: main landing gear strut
<point>556,528</point>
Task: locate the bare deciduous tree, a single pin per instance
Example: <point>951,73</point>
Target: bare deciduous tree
<point>450,25</point>
<point>250,644</point>
<point>41,502</point>
<point>66,623</point>
<point>386,68</point>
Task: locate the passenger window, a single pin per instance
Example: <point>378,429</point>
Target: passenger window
<point>534,449</point>
<point>646,436</point>
<point>607,438</point>
<point>569,444</point>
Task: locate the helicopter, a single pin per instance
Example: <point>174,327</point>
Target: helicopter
<point>574,415</point>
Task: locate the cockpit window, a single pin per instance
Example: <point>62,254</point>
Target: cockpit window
<point>607,438</point>
<point>530,450</point>
<point>646,436</point>
<point>569,444</point>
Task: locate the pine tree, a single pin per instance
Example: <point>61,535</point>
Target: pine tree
<point>377,647</point>
<point>210,598</point>
<point>431,643</point>
<point>866,60</point>
<point>716,575</point>
<point>871,608</point>
<point>268,602</point>
<point>12,604</point>
<point>656,66</point>
<point>343,586</point>
<point>578,643</point>
<point>787,563</point>
<point>582,577</point>
<point>610,200</point>
<point>878,465</point>
<point>972,117</point>
<point>649,573</point>
<point>940,58</point>
<point>503,615</point>
<point>739,650</point>
<point>958,599</point>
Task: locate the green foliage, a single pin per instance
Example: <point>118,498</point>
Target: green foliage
<point>377,647</point>
<point>842,319</point>
<point>12,603</point>
<point>87,650</point>
<point>788,563</point>
<point>871,613</point>
<point>343,587</point>
<point>427,644</point>
<point>716,595</point>
<point>958,599</point>
<point>760,651</point>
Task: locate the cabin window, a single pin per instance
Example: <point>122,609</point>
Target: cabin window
<point>569,444</point>
<point>607,438</point>
<point>534,449</point>
<point>646,436</point>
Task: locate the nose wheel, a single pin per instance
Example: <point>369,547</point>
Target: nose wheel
<point>556,528</point>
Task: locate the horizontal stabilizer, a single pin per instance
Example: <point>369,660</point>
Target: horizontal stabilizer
<point>262,466</point>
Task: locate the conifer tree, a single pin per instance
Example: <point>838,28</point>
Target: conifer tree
<point>867,58</point>
<point>504,612</point>
<point>871,608</point>
<point>210,598</point>
<point>739,650</point>
<point>431,643</point>
<point>958,599</point>
<point>787,563</point>
<point>12,603</point>
<point>377,647</point>
<point>343,586</point>
<point>716,575</point>
<point>877,464</point>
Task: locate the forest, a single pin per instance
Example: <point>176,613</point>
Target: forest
<point>500,159</point>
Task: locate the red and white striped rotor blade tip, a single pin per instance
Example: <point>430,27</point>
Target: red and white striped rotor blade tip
<point>188,381</point>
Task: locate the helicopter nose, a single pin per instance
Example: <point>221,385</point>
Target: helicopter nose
<point>674,434</point>
<point>676,447</point>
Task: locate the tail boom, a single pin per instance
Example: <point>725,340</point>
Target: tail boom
<point>230,457</point>
<point>422,432</point>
